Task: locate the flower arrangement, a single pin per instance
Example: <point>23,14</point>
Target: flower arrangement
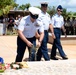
<point>2,67</point>
<point>16,66</point>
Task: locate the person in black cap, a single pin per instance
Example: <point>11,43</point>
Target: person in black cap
<point>45,18</point>
<point>58,24</point>
<point>27,29</point>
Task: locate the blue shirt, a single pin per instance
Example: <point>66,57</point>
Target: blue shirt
<point>57,21</point>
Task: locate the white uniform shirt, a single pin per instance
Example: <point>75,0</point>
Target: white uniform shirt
<point>57,21</point>
<point>45,18</point>
<point>29,29</point>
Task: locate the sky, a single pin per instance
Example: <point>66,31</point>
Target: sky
<point>69,5</point>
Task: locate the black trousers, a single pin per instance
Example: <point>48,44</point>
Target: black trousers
<point>21,46</point>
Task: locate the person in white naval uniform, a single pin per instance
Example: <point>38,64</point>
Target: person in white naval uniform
<point>26,33</point>
<point>58,24</point>
<point>45,18</point>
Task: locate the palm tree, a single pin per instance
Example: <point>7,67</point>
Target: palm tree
<point>27,6</point>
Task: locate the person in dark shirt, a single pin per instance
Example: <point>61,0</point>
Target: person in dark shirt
<point>10,24</point>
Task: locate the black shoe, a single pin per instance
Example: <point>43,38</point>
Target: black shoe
<point>54,58</point>
<point>65,57</point>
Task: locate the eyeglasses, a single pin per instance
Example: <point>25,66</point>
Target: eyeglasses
<point>59,10</point>
<point>34,16</point>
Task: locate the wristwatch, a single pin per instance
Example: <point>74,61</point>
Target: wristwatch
<point>39,41</point>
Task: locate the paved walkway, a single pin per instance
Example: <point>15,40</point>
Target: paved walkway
<point>61,67</point>
<point>52,67</point>
<point>8,49</point>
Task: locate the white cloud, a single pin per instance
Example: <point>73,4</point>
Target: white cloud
<point>70,5</point>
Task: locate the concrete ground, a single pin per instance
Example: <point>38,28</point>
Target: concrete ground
<point>8,49</point>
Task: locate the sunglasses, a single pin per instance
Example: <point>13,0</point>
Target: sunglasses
<point>59,10</point>
<point>34,16</point>
<point>44,5</point>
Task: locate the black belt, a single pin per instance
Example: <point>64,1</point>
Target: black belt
<point>45,30</point>
<point>57,28</point>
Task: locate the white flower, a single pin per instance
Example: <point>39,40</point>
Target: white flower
<point>15,66</point>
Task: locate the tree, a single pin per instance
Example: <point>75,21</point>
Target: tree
<point>6,5</point>
<point>51,10</point>
<point>22,7</point>
<point>64,13</point>
<point>74,14</point>
<point>27,6</point>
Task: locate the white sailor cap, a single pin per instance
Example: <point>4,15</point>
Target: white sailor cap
<point>34,10</point>
<point>44,2</point>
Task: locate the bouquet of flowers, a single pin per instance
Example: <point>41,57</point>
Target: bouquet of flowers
<point>2,67</point>
<point>18,65</point>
